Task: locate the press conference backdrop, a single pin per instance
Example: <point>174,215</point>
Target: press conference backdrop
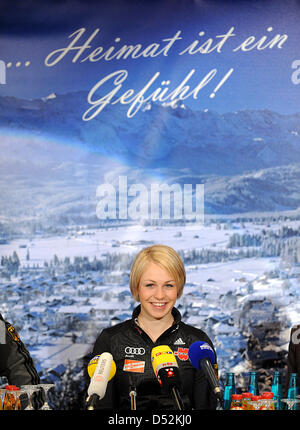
<point>129,123</point>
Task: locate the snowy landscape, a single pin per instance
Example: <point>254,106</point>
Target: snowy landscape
<point>63,290</point>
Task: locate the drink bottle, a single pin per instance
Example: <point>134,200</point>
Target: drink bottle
<point>267,401</point>
<point>10,402</point>
<point>253,383</point>
<point>293,390</point>
<point>276,389</point>
<point>246,401</point>
<point>236,402</point>
<point>229,389</point>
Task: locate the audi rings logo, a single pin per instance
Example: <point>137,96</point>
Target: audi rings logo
<point>134,351</point>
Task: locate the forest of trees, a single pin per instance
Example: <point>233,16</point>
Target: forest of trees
<point>283,243</point>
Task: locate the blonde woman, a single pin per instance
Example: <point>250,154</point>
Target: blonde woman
<point>157,280</point>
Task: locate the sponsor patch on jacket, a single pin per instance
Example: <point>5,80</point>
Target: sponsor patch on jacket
<point>12,331</point>
<point>216,369</point>
<point>134,366</point>
<point>182,354</point>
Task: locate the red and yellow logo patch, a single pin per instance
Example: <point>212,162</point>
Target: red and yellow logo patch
<point>182,354</point>
<point>134,366</point>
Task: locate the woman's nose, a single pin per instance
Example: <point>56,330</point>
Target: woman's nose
<point>159,292</point>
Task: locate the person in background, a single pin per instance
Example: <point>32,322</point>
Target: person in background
<point>157,280</point>
<point>293,359</point>
<point>16,363</point>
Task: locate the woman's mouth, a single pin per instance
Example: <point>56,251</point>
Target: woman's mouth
<point>159,305</point>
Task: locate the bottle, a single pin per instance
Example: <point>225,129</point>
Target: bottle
<point>246,401</point>
<point>253,383</point>
<point>267,401</point>
<point>236,402</point>
<point>277,390</point>
<point>229,390</point>
<point>293,390</point>
<point>256,402</point>
<point>11,402</point>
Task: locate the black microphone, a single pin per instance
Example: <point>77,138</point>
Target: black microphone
<point>202,357</point>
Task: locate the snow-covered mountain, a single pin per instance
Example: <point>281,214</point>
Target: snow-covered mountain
<point>52,162</point>
<point>162,136</point>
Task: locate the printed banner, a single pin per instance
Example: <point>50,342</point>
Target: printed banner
<point>129,123</point>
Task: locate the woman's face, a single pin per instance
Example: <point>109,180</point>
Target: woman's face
<point>157,292</point>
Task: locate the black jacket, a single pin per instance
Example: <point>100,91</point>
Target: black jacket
<point>131,349</point>
<point>15,361</point>
<point>293,361</point>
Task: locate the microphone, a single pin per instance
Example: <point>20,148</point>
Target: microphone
<point>166,371</point>
<point>132,394</point>
<point>202,357</point>
<point>101,369</point>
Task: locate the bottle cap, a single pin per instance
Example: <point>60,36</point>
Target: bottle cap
<point>236,397</point>
<point>11,387</point>
<point>256,398</point>
<point>247,395</point>
<point>267,395</point>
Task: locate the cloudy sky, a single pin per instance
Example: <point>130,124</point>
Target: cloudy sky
<point>260,78</point>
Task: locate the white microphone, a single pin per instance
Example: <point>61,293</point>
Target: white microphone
<point>105,370</point>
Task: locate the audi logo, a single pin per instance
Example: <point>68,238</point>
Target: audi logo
<point>134,351</point>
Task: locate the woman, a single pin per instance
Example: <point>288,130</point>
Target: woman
<point>156,281</point>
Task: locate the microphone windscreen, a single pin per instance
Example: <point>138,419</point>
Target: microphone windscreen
<point>93,364</point>
<point>199,350</point>
<point>162,357</point>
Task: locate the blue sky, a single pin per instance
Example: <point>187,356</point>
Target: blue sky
<point>261,79</point>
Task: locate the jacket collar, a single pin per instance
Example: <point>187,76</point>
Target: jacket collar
<point>175,312</point>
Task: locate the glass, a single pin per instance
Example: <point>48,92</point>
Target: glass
<point>256,402</point>
<point>236,403</point>
<point>267,404</point>
<point>3,381</point>
<point>10,398</point>
<point>29,390</point>
<point>246,399</point>
<point>46,388</point>
<point>267,401</point>
<point>290,402</point>
<point>19,393</point>
<point>2,394</point>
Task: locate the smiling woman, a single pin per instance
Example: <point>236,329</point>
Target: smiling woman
<point>163,256</point>
<point>157,280</point>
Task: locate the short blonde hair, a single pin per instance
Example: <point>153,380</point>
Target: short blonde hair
<point>166,257</point>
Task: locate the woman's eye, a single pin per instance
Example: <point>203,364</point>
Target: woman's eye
<point>170,285</point>
<point>149,285</point>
